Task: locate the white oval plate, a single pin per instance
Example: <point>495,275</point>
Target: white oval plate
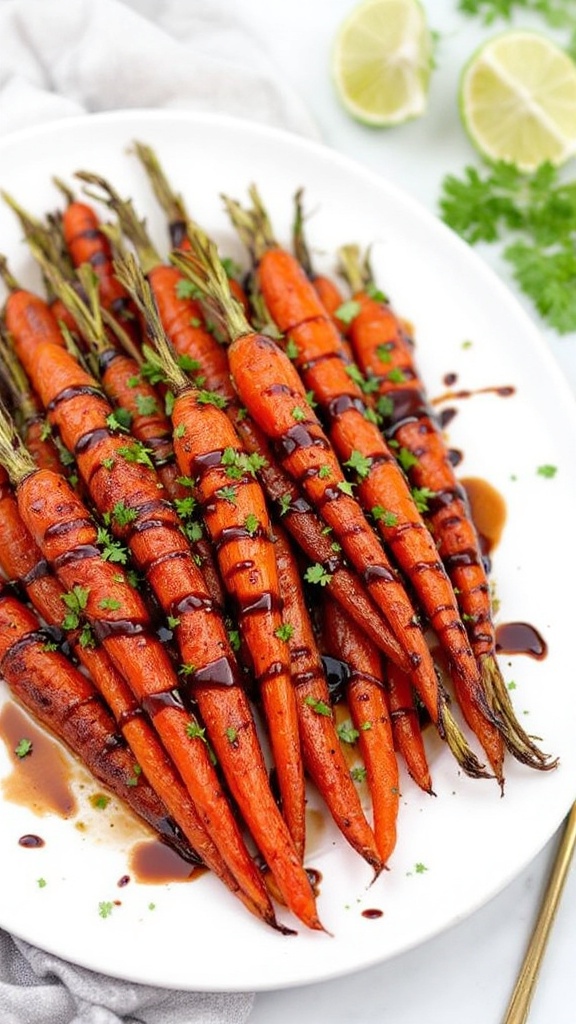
<point>454,851</point>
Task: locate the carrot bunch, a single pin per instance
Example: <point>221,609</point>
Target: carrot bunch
<point>214,463</point>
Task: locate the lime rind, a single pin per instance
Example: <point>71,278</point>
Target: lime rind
<point>382,61</point>
<point>517,100</point>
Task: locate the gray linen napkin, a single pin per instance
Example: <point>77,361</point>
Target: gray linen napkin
<point>59,59</point>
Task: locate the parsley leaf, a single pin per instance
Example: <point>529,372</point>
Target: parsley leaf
<point>23,747</point>
<point>318,706</point>
<point>533,217</point>
<point>317,574</point>
<point>360,463</point>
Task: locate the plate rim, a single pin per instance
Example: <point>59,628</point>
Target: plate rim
<point>432,222</point>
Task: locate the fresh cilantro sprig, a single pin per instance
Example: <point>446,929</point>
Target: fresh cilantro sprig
<point>555,13</point>
<point>534,217</point>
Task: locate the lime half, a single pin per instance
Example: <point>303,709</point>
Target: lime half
<point>381,61</point>
<point>518,100</point>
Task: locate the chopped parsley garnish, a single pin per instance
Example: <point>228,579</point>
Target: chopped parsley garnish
<point>105,908</point>
<point>406,459</point>
<point>251,524</point>
<point>112,550</point>
<point>291,349</point>
<point>317,574</point>
<point>146,405</point>
<point>75,602</point>
<point>187,289</point>
<point>284,632</point>
<point>348,311</point>
<point>346,487</point>
<point>122,515</point>
<point>227,494</point>
<point>185,506</point>
<point>319,707</point>
<point>109,604</point>
<point>381,514</point>
<point>211,398</point>
<point>23,747</point>
<point>136,452</point>
<point>547,471</point>
<point>358,773</point>
<point>120,419</point>
<point>421,496</point>
<point>359,463</point>
<point>298,414</point>
<point>284,503</point>
<point>234,638</point>
<point>195,732</point>
<point>347,733</point>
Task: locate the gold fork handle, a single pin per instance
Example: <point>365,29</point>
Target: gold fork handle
<point>519,1005</point>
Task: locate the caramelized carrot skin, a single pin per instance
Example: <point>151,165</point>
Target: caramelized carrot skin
<point>381,344</point>
<point>237,519</point>
<point>87,243</point>
<point>323,755</point>
<point>370,713</point>
<point>380,482</point>
<point>161,551</point>
<point>30,320</point>
<point>406,729</point>
<point>66,701</point>
<point>63,530</point>
<point>271,389</point>
<point>181,321</point>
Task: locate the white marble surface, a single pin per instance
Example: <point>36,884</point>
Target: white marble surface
<point>467,973</point>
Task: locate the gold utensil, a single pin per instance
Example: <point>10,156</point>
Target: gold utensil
<point>519,1005</point>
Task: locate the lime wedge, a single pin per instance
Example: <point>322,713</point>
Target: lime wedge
<point>518,100</point>
<point>381,61</point>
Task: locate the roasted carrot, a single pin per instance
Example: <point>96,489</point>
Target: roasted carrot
<point>174,208</point>
<point>385,353</point>
<point>235,512</point>
<point>327,290</point>
<point>371,719</point>
<point>323,757</point>
<point>65,700</point>
<point>182,318</point>
<point>273,393</point>
<point>47,237</point>
<point>406,728</point>
<point>28,316</point>
<point>88,243</point>
<point>126,493</point>
<point>101,594</point>
<point>382,488</point>
<point>22,562</point>
<point>27,410</point>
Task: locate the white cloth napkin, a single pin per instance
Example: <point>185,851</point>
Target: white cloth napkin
<point>57,59</point>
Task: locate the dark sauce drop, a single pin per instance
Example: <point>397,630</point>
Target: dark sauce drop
<point>153,862</point>
<point>31,842</point>
<point>445,416</point>
<point>41,780</point>
<point>315,879</point>
<point>520,638</point>
<point>338,676</point>
<point>372,914</point>
<point>488,510</point>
